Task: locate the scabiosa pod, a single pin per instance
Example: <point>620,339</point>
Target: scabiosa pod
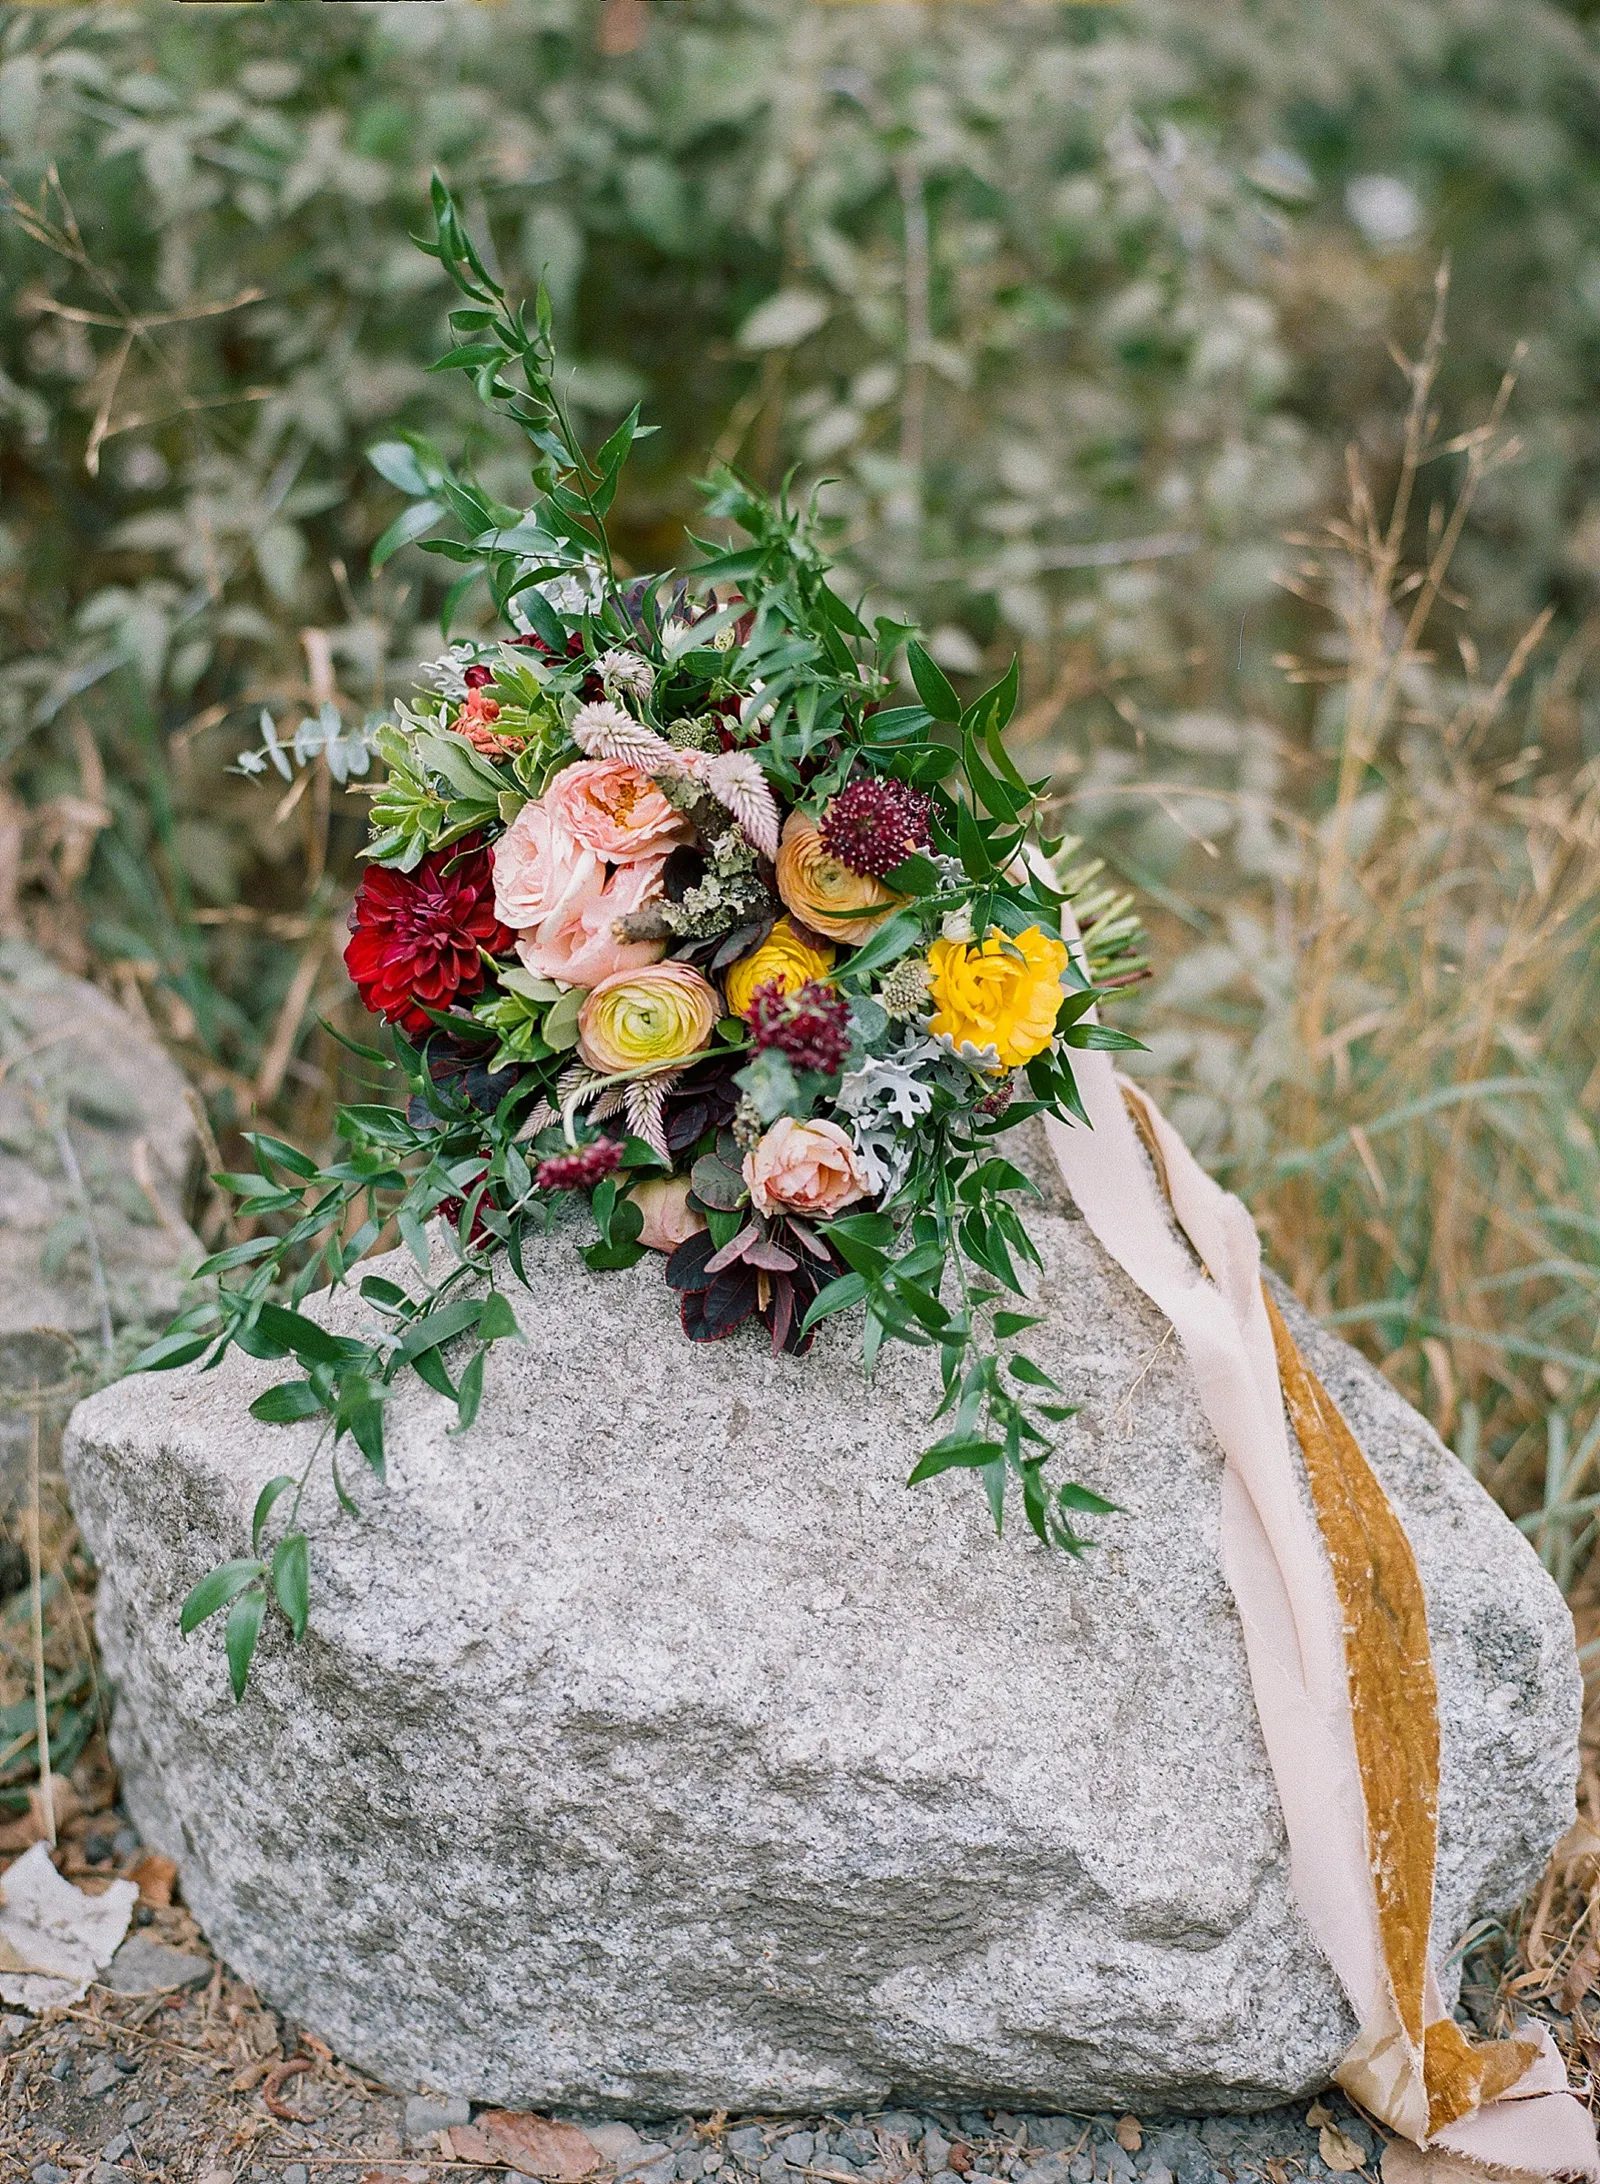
<point>811,1025</point>
<point>875,823</point>
<point>580,1170</point>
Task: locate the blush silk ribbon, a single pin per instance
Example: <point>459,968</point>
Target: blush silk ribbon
<point>1335,1630</point>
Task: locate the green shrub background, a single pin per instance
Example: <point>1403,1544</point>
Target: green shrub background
<point>1077,311</point>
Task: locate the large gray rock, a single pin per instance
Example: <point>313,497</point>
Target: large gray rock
<point>653,1748</point>
<point>96,1145</point>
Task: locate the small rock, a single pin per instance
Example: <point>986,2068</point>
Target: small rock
<point>1195,2167</point>
<point>1006,2125</point>
<point>114,2149</point>
<point>11,2031</point>
<point>660,2171</point>
<point>429,2113</point>
<point>127,2064</point>
<point>900,2124</point>
<point>100,2080</point>
<point>48,2173</point>
<point>137,2113</point>
<point>61,2069</point>
<point>974,2123</point>
<point>748,2142</point>
<point>1158,2173</point>
<point>1055,2132</point>
<point>1051,2170</point>
<point>691,2164</point>
<point>774,2170</point>
<point>935,2151</point>
<point>620,2143</point>
<point>297,2173</point>
<point>797,2148</point>
<point>712,2162</point>
<point>143,1966</point>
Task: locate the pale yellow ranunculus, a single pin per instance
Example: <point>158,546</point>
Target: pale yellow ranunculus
<point>660,1014</point>
<point>783,956</point>
<point>1003,993</point>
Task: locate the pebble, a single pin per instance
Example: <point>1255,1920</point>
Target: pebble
<point>48,2173</point>
<point>899,2124</point>
<point>935,2151</point>
<point>749,2143</point>
<point>137,2113</point>
<point>428,2113</point>
<point>115,2148</point>
<point>297,2173</point>
<point>143,1966</point>
<point>691,2165</point>
<point>11,2030</point>
<point>774,2170</point>
<point>798,2148</point>
<point>100,2080</point>
<point>620,2143</point>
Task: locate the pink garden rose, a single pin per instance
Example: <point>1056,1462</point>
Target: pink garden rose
<point>575,943</point>
<point>538,868</point>
<point>669,1219</point>
<point>804,1167</point>
<point>615,810</point>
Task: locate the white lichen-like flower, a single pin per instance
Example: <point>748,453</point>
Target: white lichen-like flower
<point>623,669</point>
<point>957,925</point>
<point>736,781</point>
<point>604,730</point>
<point>448,673</point>
<point>985,1060</point>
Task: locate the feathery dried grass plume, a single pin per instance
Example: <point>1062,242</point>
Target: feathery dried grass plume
<point>737,782</point>
<point>604,730</point>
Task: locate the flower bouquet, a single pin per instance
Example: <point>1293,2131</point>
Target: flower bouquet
<point>678,902</point>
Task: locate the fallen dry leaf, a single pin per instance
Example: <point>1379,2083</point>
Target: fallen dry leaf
<point>33,1827</point>
<point>154,1877</point>
<point>1317,2115</point>
<point>251,2075</point>
<point>1338,2150</point>
<point>276,2078</point>
<point>465,2142</point>
<point>558,2153</point>
<point>1130,2134</point>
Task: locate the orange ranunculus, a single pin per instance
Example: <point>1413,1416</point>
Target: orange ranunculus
<point>820,891</point>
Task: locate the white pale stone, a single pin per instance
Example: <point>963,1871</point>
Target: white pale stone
<point>653,1748</point>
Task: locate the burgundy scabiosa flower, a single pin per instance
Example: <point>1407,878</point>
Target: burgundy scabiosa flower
<point>415,936</point>
<point>579,1171</point>
<point>811,1025</point>
<point>875,824</point>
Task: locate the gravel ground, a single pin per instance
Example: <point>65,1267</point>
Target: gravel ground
<point>204,2085</point>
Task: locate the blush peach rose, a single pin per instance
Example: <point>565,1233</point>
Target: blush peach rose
<point>615,810</point>
<point>669,1219</point>
<point>538,868</point>
<point>803,1167</point>
<point>575,943</point>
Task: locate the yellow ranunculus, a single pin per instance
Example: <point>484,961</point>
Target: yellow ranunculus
<point>821,891</point>
<point>1004,993</point>
<point>784,956</point>
<point>663,1013</point>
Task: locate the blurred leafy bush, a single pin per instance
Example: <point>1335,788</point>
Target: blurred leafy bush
<point>1076,309</point>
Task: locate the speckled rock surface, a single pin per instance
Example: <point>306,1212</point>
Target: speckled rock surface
<point>83,1087</point>
<point>652,1747</point>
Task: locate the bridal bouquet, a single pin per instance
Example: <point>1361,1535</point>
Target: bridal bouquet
<point>679,903</point>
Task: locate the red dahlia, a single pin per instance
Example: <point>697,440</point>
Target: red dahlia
<point>415,936</point>
<point>874,824</point>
